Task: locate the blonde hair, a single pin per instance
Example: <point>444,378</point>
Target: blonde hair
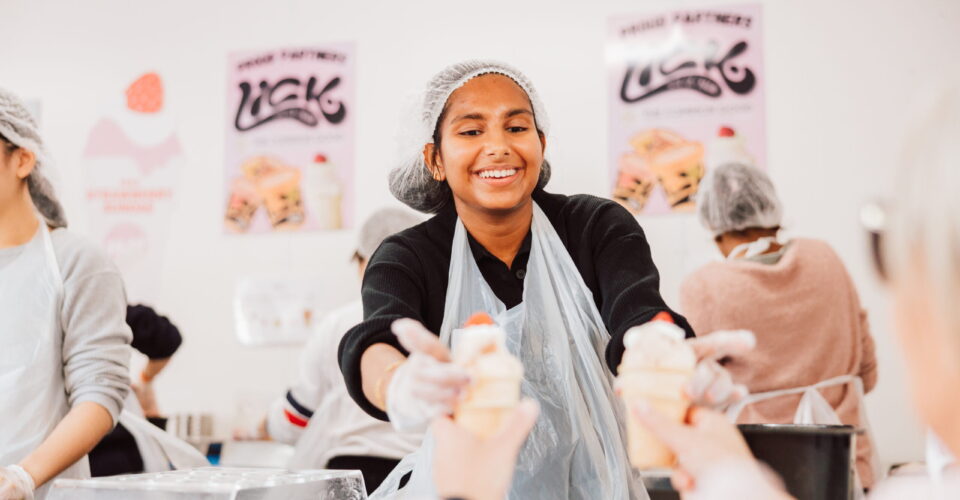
<point>925,216</point>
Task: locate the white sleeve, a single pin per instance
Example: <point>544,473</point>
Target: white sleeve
<point>290,414</point>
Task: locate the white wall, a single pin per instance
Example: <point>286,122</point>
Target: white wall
<point>839,80</point>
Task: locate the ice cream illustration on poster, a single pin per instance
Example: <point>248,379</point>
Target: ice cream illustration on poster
<point>685,95</point>
<point>289,141</point>
<point>131,161</point>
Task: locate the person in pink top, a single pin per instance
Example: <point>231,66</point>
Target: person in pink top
<point>797,298</point>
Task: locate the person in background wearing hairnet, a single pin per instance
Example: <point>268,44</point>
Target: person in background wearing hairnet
<point>916,251</point>
<point>158,339</point>
<point>796,296</point>
<point>317,415</point>
<point>64,344</point>
<point>564,276</point>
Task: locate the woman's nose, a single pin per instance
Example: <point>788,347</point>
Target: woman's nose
<point>497,144</point>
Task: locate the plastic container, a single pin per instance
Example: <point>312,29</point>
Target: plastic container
<point>217,483</point>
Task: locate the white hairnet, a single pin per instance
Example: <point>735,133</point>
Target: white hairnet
<point>381,224</point>
<point>20,128</point>
<point>410,181</point>
<point>734,197</point>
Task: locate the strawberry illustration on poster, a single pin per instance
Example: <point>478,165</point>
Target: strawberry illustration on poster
<point>686,94</point>
<point>290,139</point>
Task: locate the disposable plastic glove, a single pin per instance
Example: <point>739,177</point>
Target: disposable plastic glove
<point>711,385</point>
<point>427,384</point>
<point>16,483</point>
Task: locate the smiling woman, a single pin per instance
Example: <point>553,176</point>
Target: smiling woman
<point>564,277</point>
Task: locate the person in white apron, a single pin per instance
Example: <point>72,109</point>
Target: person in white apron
<point>63,342</point>
<point>797,298</point>
<point>914,247</point>
<point>565,277</point>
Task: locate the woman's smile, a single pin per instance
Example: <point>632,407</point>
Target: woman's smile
<point>498,176</point>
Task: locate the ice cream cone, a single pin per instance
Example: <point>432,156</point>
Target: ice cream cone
<point>484,422</point>
<point>656,366</point>
<point>495,378</point>
<point>663,391</point>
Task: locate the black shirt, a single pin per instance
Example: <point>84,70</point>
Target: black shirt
<point>407,277</point>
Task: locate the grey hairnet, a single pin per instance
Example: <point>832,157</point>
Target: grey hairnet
<point>20,128</point>
<point>734,197</point>
<point>380,225</point>
<point>410,181</point>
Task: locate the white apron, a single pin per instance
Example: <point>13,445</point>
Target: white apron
<point>576,450</point>
<point>160,450</point>
<point>31,354</point>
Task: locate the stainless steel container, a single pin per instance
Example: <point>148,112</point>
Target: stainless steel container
<point>217,483</point>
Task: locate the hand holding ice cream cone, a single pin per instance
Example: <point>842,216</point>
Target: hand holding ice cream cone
<point>663,371</point>
<point>495,377</point>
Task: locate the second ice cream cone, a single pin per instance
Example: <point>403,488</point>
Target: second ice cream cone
<point>663,392</point>
<point>656,366</point>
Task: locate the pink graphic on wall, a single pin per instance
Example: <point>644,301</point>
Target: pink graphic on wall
<point>290,139</point>
<point>686,93</point>
<point>131,162</point>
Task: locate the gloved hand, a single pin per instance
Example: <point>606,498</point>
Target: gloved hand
<point>712,386</point>
<point>427,384</point>
<point>16,483</point>
<point>146,397</point>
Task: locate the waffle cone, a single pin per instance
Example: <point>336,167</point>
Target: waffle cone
<point>484,422</point>
<point>487,402</point>
<point>663,391</point>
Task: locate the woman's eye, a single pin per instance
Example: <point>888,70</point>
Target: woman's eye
<point>470,132</point>
<point>517,129</point>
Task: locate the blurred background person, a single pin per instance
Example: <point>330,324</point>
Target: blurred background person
<point>157,339</point>
<point>796,297</point>
<point>64,344</point>
<point>916,249</point>
<point>317,415</point>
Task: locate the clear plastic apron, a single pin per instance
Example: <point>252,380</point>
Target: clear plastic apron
<point>576,450</point>
<point>34,398</point>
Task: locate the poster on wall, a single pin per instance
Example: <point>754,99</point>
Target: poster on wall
<point>289,142</point>
<point>131,161</point>
<point>686,93</point>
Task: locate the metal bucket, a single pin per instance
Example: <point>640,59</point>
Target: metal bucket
<point>815,461</point>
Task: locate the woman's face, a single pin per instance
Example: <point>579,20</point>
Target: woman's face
<point>490,151</point>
